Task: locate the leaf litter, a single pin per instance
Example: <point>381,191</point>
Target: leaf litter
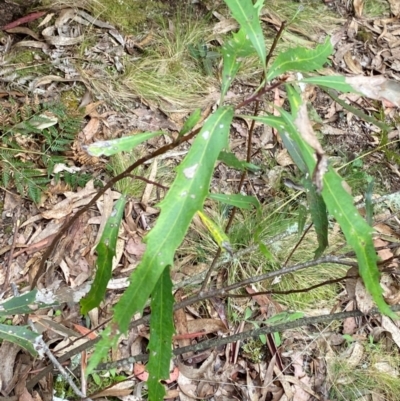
<point>213,374</point>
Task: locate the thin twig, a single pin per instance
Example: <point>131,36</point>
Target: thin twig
<point>217,342</point>
<point>43,346</point>
<point>298,244</point>
<point>199,297</point>
<point>139,177</point>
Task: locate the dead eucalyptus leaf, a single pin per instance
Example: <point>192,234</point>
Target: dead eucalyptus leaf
<point>378,88</point>
<point>48,79</point>
<point>48,34</point>
<point>25,31</point>
<point>32,43</point>
<point>305,128</point>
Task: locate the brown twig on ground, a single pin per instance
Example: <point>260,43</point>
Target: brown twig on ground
<point>217,342</point>
<point>42,346</point>
<point>200,297</point>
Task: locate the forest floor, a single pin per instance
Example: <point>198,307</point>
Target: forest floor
<point>76,73</point>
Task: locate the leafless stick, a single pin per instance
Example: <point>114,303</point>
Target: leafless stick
<point>57,364</point>
<point>217,342</point>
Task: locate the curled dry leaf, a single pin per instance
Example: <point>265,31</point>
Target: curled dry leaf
<point>305,128</point>
<point>50,37</point>
<point>121,389</point>
<point>378,88</point>
<point>357,353</point>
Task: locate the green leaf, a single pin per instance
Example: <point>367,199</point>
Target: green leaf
<point>358,235</point>
<point>108,340</point>
<point>20,335</point>
<point>28,302</point>
<point>238,200</point>
<point>247,15</point>
<point>319,216</point>
<point>369,206</point>
<point>105,253</point>
<point>217,232</point>
<point>184,198</point>
<point>340,204</point>
<point>284,317</point>
<point>301,221</point>
<point>301,59</point>
<point>237,47</point>
<point>231,160</point>
<point>335,82</point>
<point>192,120</point>
<point>266,252</point>
<point>124,144</point>
<point>161,331</point>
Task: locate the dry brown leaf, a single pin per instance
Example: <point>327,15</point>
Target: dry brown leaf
<point>356,355</point>
<point>149,187</point>
<point>8,353</point>
<point>32,43</point>
<point>395,7</point>
<point>364,300</point>
<point>117,390</point>
<point>392,328</point>
<point>305,128</point>
<point>62,209</point>
<point>91,129</point>
<point>352,63</point>
<point>377,87</point>
<point>350,324</point>
<point>25,31</point>
<point>285,385</point>
<point>181,324</point>
<point>206,325</point>
<point>283,158</point>
<point>25,396</point>
<point>358,6</point>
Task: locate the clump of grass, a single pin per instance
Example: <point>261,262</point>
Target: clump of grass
<point>376,8</point>
<point>377,373</point>
<point>168,73</point>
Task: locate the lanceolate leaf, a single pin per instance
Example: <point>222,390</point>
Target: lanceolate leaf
<point>161,331</point>
<point>231,160</point>
<point>301,59</point>
<point>28,302</point>
<point>192,120</point>
<point>334,82</point>
<point>238,46</point>
<point>340,205</point>
<point>124,144</point>
<point>319,216</point>
<point>358,234</point>
<point>217,232</point>
<point>247,15</point>
<point>20,335</point>
<point>376,87</point>
<point>185,197</point>
<point>105,253</point>
<point>238,200</point>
